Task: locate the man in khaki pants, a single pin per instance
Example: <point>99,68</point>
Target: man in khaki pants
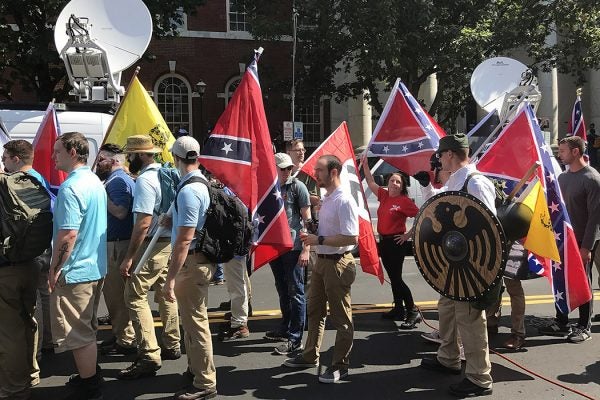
<point>333,274</point>
<point>119,189</point>
<point>146,202</point>
<point>461,316</point>
<point>190,271</point>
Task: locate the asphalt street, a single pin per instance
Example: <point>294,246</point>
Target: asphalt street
<point>384,360</point>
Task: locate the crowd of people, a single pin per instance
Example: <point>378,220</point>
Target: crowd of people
<point>104,221</point>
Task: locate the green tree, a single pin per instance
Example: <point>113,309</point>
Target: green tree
<point>28,57</point>
<point>376,42</point>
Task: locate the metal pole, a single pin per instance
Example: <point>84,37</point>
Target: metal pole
<point>294,26</point>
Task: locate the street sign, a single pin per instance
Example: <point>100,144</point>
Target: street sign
<point>288,130</point>
<point>298,131</point>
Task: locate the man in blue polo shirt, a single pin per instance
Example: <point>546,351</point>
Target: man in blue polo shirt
<point>119,189</point>
<point>78,263</point>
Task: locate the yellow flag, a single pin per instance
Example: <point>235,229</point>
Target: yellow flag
<point>540,238</point>
<point>138,115</point>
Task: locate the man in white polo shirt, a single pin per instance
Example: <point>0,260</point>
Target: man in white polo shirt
<point>333,274</point>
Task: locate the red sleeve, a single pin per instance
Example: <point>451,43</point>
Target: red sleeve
<point>382,194</point>
<point>409,208</point>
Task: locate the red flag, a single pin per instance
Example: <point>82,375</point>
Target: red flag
<point>339,145</point>
<point>405,135</point>
<point>510,155</point>
<point>43,147</point>
<point>240,154</point>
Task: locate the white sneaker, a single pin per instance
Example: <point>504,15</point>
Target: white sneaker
<point>433,336</point>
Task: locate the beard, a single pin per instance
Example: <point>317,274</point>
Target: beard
<point>102,173</point>
<point>135,165</point>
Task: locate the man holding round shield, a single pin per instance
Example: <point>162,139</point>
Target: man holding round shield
<point>471,322</point>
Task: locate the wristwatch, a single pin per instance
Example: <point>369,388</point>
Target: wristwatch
<point>321,239</point>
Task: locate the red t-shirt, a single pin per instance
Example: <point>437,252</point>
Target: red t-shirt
<point>393,211</point>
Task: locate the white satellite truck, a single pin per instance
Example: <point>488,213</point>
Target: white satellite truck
<point>96,41</point>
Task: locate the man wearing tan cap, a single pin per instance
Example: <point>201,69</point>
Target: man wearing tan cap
<point>146,201</point>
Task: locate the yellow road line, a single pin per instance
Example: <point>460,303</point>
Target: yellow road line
<point>218,316</point>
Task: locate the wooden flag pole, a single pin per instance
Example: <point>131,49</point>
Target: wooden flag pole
<point>112,122</point>
<point>524,180</point>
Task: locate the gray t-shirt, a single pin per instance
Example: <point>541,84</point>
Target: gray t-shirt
<point>581,191</point>
<point>295,197</point>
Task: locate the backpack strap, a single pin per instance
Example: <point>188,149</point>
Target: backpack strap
<point>193,179</point>
<point>466,184</point>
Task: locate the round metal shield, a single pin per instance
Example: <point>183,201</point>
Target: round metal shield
<point>459,246</point>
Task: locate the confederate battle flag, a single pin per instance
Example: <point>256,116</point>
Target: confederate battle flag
<point>339,145</point>
<point>240,154</point>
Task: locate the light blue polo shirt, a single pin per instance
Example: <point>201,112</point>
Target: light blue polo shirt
<point>147,196</point>
<point>81,206</point>
<point>192,202</point>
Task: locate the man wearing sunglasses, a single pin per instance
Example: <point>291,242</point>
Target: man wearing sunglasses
<point>288,269</point>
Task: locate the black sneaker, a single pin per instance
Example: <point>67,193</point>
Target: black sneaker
<point>299,362</point>
<point>596,318</point>
<point>139,369</point>
<point>86,389</point>
<point>466,388</point>
<point>276,336</point>
<point>226,305</point>
<point>170,354</point>
<point>75,380</point>
<point>555,329</point>
<point>288,347</point>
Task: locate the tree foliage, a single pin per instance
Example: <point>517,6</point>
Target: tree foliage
<point>375,42</point>
<point>28,57</point>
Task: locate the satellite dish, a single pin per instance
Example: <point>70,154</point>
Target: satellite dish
<point>493,79</point>
<point>123,28</point>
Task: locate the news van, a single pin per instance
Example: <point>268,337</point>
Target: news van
<point>22,121</point>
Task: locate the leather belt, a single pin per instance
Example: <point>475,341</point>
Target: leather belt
<point>335,256</point>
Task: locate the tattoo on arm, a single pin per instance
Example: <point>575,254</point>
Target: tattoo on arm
<point>62,251</point>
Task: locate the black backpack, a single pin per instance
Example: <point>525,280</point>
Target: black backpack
<point>26,226</point>
<point>227,230</point>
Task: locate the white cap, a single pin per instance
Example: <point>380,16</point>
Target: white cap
<point>283,160</point>
<point>186,147</point>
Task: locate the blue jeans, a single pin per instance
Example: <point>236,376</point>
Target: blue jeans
<point>289,282</point>
<point>218,274</point>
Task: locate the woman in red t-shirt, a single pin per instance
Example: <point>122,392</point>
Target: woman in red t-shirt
<point>394,207</point>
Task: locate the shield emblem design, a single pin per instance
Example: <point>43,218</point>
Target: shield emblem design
<point>459,246</point>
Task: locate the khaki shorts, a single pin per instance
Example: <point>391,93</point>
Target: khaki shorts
<point>73,310</point>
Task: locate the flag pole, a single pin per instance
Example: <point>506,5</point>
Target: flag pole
<point>114,118</point>
<point>523,180</point>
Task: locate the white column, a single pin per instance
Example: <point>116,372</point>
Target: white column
<point>593,92</point>
<point>359,121</point>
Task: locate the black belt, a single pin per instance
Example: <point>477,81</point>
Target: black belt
<point>116,240</point>
<point>392,236</point>
<point>335,256</point>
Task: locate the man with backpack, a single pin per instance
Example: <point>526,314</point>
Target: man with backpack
<point>19,282</point>
<point>190,270</point>
<point>78,263</point>
<point>288,269</point>
<point>147,198</point>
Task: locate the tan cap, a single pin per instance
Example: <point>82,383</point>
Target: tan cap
<point>186,147</point>
<point>283,160</point>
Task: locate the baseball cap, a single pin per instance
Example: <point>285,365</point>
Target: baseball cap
<point>186,147</point>
<point>283,160</point>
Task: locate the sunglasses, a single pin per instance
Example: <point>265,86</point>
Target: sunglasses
<point>286,169</point>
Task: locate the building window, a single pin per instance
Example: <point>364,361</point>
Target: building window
<point>238,16</point>
<point>309,113</point>
<point>230,87</point>
<point>173,98</point>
